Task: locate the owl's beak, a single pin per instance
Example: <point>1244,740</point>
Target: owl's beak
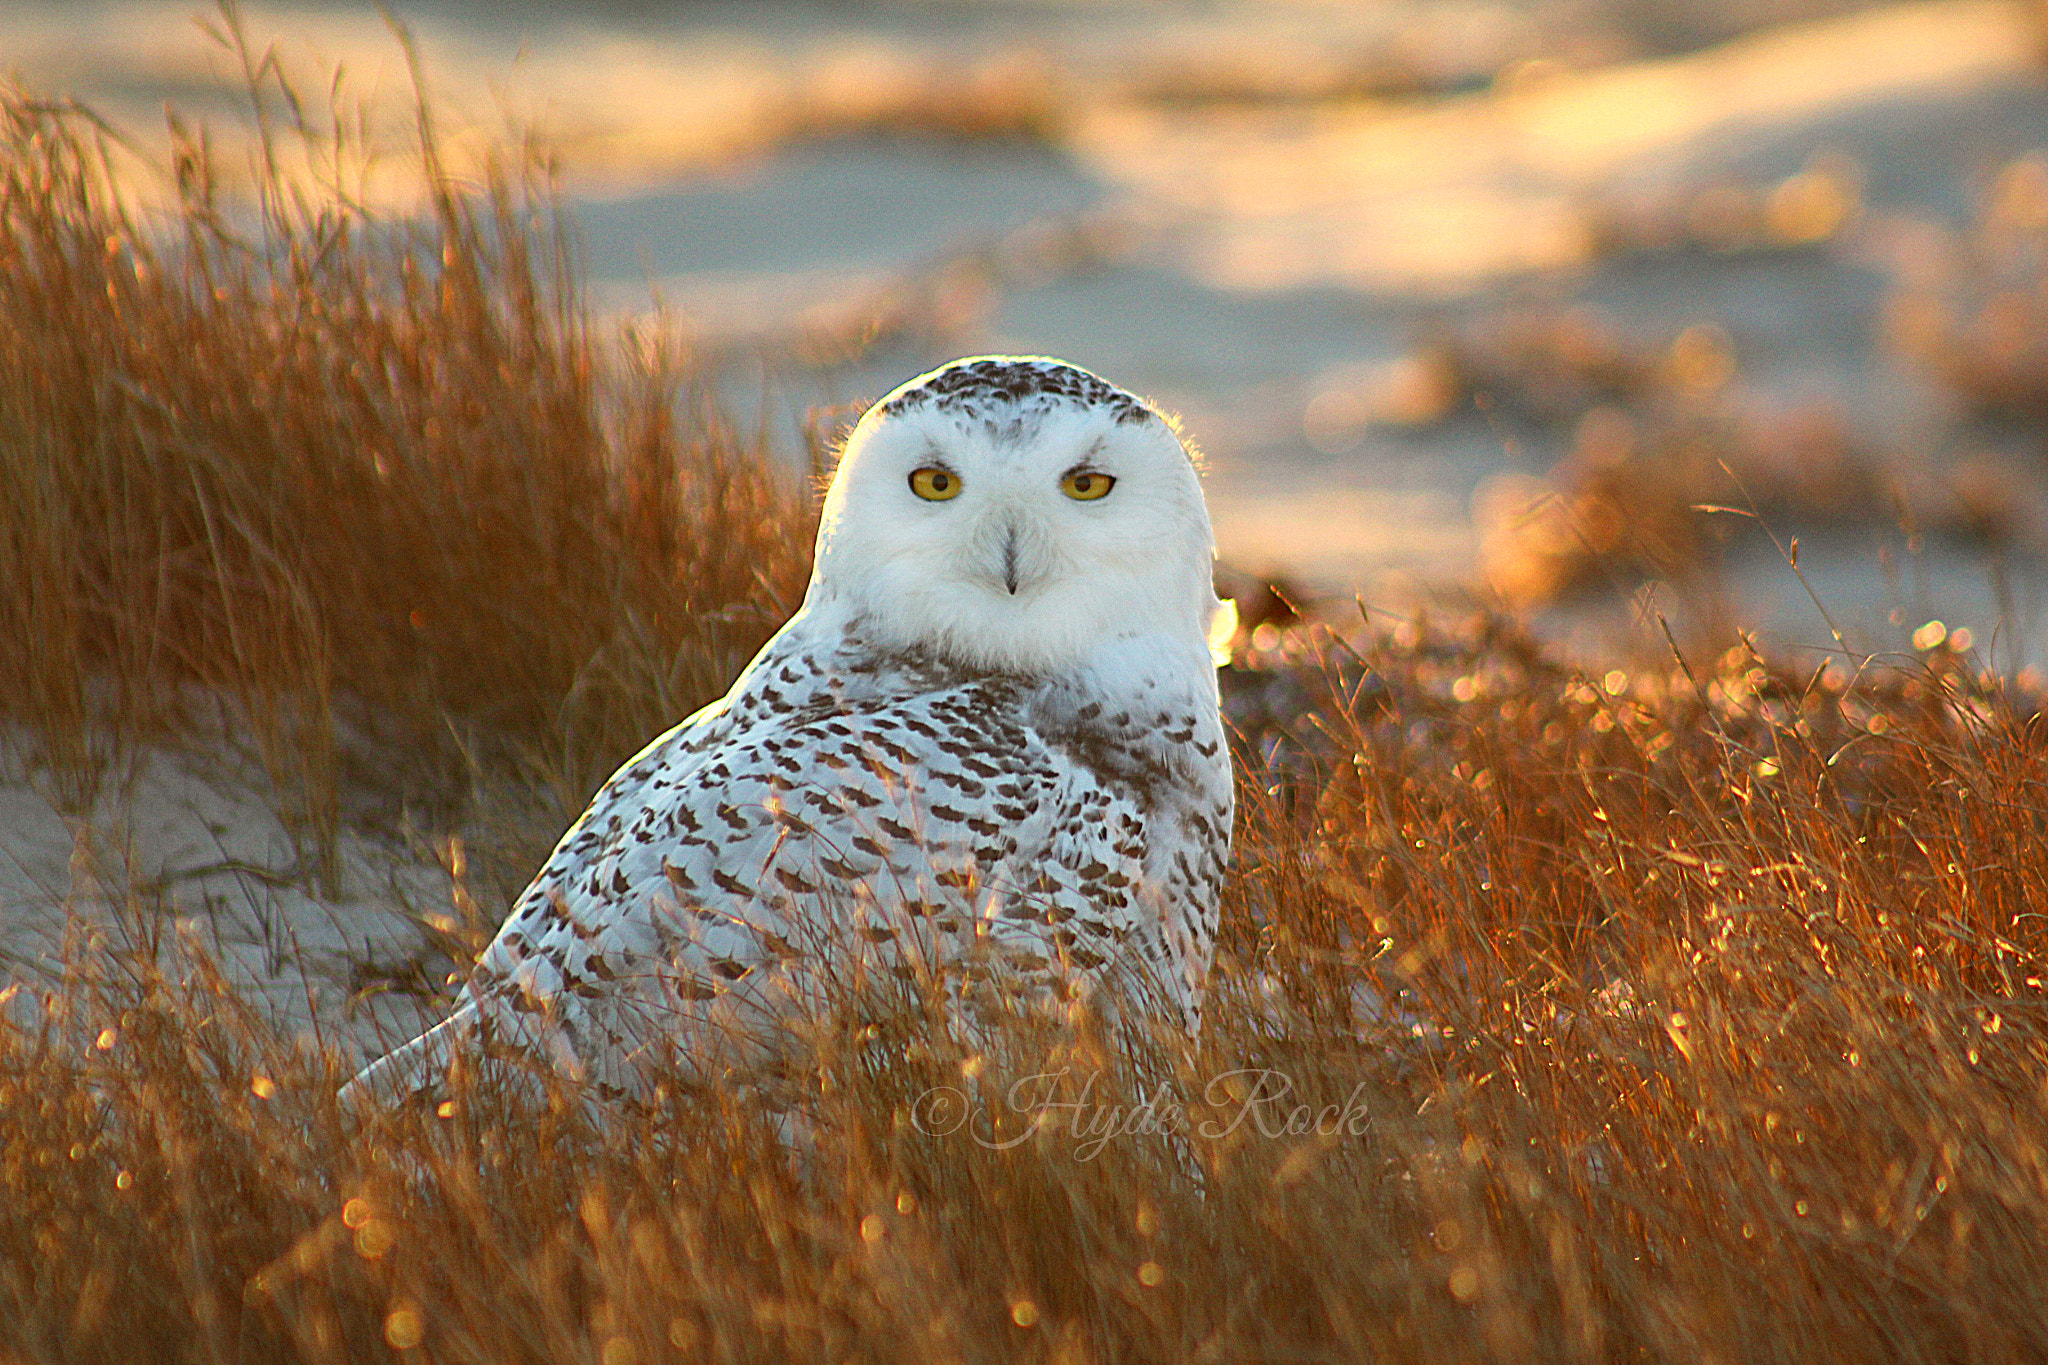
<point>1014,553</point>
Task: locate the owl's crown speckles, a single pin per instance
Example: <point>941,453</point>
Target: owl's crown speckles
<point>972,388</point>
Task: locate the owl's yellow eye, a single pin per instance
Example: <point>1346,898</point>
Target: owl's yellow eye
<point>934,484</point>
<point>1087,485</point>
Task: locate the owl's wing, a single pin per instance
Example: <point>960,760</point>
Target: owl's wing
<point>526,975</point>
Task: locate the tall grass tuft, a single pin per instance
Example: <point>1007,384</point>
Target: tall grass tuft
<point>308,457</point>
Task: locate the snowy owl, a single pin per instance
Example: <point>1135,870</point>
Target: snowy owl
<point>986,751</point>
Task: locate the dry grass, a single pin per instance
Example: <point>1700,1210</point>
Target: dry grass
<point>1713,1029</point>
<point>307,459</point>
<point>1694,1014</point>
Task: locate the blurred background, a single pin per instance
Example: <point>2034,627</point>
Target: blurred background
<point>1590,308</point>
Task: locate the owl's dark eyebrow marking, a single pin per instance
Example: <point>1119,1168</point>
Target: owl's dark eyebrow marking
<point>1086,464</point>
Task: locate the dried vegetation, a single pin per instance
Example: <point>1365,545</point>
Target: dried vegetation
<point>307,459</point>
<point>1677,1015</point>
<point>1693,1012</point>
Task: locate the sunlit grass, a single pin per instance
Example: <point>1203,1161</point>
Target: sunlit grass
<point>1684,1012</point>
<point>1628,1025</point>
<point>306,458</point>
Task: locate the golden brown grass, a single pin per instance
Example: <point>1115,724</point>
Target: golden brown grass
<point>1714,1030</point>
<point>1709,1017</point>
<point>304,458</point>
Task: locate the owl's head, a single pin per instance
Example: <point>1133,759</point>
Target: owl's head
<point>1016,514</point>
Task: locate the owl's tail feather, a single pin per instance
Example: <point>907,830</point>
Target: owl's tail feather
<point>417,1071</point>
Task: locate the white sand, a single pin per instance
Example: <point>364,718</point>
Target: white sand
<point>196,851</point>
